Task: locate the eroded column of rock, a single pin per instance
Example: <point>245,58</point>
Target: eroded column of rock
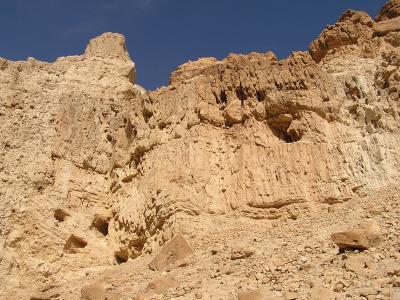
<point>65,127</point>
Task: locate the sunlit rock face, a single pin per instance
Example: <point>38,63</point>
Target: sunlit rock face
<point>97,173</point>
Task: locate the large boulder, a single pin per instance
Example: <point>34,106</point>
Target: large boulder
<point>175,250</point>
<point>361,238</point>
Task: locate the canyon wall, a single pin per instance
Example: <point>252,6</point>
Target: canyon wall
<point>96,171</point>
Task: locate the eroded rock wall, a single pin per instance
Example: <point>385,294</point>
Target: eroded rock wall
<point>96,171</point>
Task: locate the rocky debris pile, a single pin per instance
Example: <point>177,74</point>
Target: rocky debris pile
<point>241,179</point>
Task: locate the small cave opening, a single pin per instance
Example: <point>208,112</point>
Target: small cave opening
<point>100,224</point>
<point>282,135</point>
<point>163,124</point>
<point>280,127</point>
<point>74,243</point>
<point>61,215</point>
<point>121,256</point>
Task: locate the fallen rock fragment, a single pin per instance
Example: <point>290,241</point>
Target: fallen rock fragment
<point>94,291</point>
<point>258,294</point>
<point>318,293</point>
<point>140,296</point>
<point>291,296</point>
<point>175,250</point>
<point>241,253</point>
<point>161,285</point>
<point>338,287</point>
<point>367,292</point>
<point>358,238</point>
<point>39,297</point>
<point>46,293</point>
<point>97,291</point>
<point>44,296</point>
<point>356,264</point>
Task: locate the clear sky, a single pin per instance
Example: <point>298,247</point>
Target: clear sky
<point>162,34</point>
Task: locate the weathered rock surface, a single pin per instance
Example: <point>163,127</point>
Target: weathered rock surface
<point>99,175</point>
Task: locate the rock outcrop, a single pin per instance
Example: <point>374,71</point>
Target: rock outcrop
<point>97,174</point>
<point>389,11</point>
<point>353,28</point>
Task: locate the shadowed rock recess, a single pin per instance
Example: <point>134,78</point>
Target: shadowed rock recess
<point>246,178</point>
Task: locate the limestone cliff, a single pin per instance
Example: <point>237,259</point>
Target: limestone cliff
<point>253,156</point>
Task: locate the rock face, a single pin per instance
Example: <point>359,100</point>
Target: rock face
<point>276,155</point>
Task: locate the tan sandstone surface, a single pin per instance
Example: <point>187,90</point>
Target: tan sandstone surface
<point>246,178</point>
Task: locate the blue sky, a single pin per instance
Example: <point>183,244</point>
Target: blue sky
<point>162,34</point>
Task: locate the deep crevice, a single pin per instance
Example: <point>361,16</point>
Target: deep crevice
<point>261,96</point>
<point>147,114</point>
<point>222,98</point>
<point>241,94</point>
